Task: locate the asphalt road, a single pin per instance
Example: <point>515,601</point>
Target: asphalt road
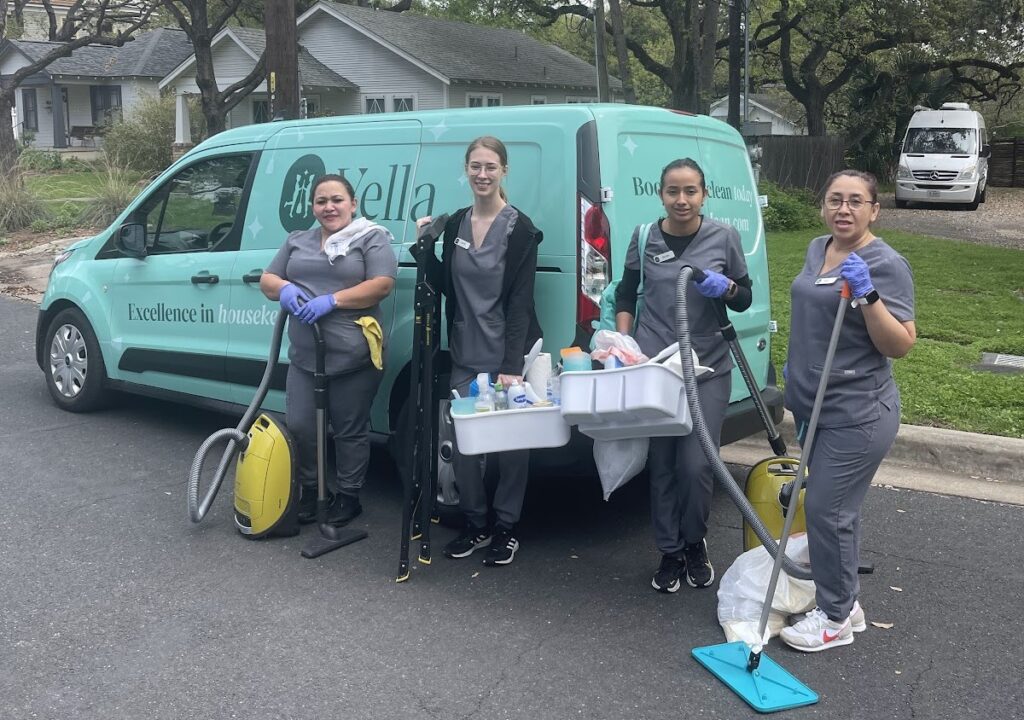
<point>112,605</point>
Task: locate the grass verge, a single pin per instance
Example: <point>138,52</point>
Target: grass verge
<point>969,300</point>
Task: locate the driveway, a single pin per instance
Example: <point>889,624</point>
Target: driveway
<point>999,221</point>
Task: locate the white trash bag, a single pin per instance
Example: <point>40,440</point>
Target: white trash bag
<point>619,461</point>
<point>742,589</point>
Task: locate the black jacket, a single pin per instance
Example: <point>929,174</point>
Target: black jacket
<point>522,329</point>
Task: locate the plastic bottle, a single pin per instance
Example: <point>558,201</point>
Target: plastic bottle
<point>500,397</point>
<point>517,397</point>
<point>485,398</point>
<point>554,390</point>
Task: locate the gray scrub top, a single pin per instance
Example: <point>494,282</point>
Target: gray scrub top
<point>478,275</point>
<point>301,261</point>
<point>715,247</point>
<point>861,376</point>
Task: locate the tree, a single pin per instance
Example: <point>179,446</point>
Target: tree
<point>85,22</point>
<point>621,52</point>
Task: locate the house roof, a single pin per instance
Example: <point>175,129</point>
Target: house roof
<point>463,52</point>
<point>312,72</point>
<point>778,106</point>
<point>152,54</point>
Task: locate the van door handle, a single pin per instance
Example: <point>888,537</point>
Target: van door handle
<point>252,277</point>
<point>206,279</point>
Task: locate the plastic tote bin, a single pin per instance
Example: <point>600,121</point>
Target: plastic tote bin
<point>646,400</point>
<point>501,430</point>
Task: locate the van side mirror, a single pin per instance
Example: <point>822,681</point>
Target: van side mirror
<point>131,240</point>
<point>986,150</point>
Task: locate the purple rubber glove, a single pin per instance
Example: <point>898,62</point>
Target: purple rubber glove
<point>714,284</point>
<point>290,296</point>
<point>316,308</point>
<point>855,271</point>
<point>785,371</point>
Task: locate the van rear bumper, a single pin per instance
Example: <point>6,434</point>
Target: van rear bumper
<point>916,191</point>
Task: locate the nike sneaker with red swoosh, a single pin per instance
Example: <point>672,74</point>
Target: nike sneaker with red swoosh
<point>815,632</point>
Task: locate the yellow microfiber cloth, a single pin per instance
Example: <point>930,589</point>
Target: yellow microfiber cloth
<point>374,338</point>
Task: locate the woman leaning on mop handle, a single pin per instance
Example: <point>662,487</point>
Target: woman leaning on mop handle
<point>681,477</point>
<point>488,263</point>
<point>860,414</point>
<point>348,267</point>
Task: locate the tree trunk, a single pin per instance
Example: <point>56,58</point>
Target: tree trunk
<point>814,106</point>
<point>207,83</point>
<point>705,58</point>
<point>8,144</point>
<point>282,59</point>
<point>735,61</point>
<point>601,52</point>
<point>619,35</point>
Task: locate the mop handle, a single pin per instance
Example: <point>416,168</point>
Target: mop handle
<point>812,427</point>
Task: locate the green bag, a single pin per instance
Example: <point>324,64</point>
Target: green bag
<point>607,319</point>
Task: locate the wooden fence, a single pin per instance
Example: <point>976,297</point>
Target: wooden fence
<point>800,160</point>
<point>1006,166</point>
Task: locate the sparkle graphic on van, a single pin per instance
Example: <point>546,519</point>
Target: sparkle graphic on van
<point>438,130</point>
<point>255,227</point>
<point>296,208</point>
<point>629,145</point>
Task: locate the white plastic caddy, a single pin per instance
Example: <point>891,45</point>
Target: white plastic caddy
<point>502,430</point>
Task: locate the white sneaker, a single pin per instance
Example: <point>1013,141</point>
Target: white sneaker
<point>816,632</point>
<point>857,621</point>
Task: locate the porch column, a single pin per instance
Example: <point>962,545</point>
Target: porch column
<point>182,127</point>
<point>60,135</point>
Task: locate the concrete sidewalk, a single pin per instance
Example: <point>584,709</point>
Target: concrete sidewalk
<point>985,467</point>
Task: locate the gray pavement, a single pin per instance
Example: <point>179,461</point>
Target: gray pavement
<point>115,606</point>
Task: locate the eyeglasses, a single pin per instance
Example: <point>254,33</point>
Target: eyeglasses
<point>489,168</point>
<point>855,203</point>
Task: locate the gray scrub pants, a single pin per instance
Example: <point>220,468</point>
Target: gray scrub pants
<point>513,474</point>
<point>349,397</point>
<point>681,478</point>
<point>842,464</point>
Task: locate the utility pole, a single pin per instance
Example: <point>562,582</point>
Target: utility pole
<point>746,62</point>
<point>601,52</point>
<point>282,58</point>
<point>735,50</point>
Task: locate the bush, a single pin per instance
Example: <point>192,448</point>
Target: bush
<point>40,160</point>
<point>789,208</point>
<point>117,186</point>
<point>19,208</point>
<point>143,140</point>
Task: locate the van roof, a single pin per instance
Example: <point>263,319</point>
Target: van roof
<point>948,118</point>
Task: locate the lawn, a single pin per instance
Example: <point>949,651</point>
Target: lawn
<point>970,300</point>
<point>63,186</point>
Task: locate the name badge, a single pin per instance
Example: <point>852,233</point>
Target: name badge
<point>664,257</point>
<point>826,281</point>
<point>464,244</point>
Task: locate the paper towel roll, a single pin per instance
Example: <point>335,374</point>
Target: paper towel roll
<point>539,373</point>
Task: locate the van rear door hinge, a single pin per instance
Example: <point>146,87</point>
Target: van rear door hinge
<point>607,194</point>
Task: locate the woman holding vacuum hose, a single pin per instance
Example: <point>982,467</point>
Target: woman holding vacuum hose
<point>680,475</point>
<point>334,274</point>
<point>487,267</point>
<point>860,414</point>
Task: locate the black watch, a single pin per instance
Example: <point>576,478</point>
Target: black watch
<point>871,297</point>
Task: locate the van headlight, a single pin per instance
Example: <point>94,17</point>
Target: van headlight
<point>903,172</point>
<point>61,257</point>
<point>968,172</point>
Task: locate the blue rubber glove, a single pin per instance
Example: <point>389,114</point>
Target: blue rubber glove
<point>785,371</point>
<point>317,308</point>
<point>290,296</point>
<point>855,271</point>
<point>714,284</point>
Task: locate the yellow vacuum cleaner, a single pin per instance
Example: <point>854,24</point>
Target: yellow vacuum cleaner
<point>767,483</point>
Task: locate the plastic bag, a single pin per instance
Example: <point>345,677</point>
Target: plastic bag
<point>619,461</point>
<point>623,347</point>
<point>742,589</point>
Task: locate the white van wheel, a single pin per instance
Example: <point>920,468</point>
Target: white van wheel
<point>901,204</point>
<point>984,192</point>
<point>973,205</point>
<point>75,373</point>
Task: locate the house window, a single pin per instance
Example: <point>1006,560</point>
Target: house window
<point>483,100</point>
<point>388,102</point>
<point>373,104</point>
<point>29,110</point>
<point>260,111</point>
<point>538,99</point>
<point>576,99</point>
<point>404,103</point>
<point>106,103</point>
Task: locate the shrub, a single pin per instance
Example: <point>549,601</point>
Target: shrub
<point>40,160</point>
<point>142,141</point>
<point>19,208</point>
<point>789,208</point>
<point>117,185</point>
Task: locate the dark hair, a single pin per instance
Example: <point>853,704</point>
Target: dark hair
<point>332,177</point>
<point>870,180</point>
<point>678,165</point>
<point>489,142</point>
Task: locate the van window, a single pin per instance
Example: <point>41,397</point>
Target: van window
<point>197,208</point>
<point>941,141</point>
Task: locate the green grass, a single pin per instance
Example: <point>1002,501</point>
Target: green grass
<point>969,300</point>
<point>60,186</point>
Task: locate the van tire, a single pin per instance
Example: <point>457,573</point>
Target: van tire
<point>984,192</point>
<point>73,364</point>
<point>901,204</point>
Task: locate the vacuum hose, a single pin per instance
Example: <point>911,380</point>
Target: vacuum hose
<point>237,436</point>
<point>722,474</point>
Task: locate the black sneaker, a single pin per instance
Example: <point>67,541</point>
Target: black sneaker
<point>470,539</point>
<point>307,505</point>
<point>699,572</point>
<point>503,547</point>
<point>346,509</point>
<point>666,579</point>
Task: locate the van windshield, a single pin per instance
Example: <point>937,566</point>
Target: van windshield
<point>941,141</point>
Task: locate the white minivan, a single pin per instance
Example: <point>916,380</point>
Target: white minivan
<point>944,158</point>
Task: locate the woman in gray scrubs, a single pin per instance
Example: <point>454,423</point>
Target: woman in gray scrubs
<point>680,475</point>
<point>861,411</point>
<point>333,275</point>
<point>487,268</point>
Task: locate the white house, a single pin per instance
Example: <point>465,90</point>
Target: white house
<point>359,60</point>
<point>767,113</point>
<point>68,102</point>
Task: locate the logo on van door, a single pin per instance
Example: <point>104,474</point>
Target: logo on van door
<point>296,206</point>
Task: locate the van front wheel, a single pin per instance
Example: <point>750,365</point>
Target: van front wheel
<point>901,204</point>
<point>75,373</point>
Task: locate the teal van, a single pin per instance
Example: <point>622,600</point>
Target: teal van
<point>185,318</point>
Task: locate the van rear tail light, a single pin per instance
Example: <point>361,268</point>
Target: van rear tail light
<point>595,265</point>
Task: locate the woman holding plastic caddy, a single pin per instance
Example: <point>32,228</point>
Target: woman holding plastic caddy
<point>487,268</point>
<point>861,411</point>
<point>335,275</point>
<point>680,475</point>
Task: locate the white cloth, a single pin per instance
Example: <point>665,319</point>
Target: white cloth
<point>338,244</point>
